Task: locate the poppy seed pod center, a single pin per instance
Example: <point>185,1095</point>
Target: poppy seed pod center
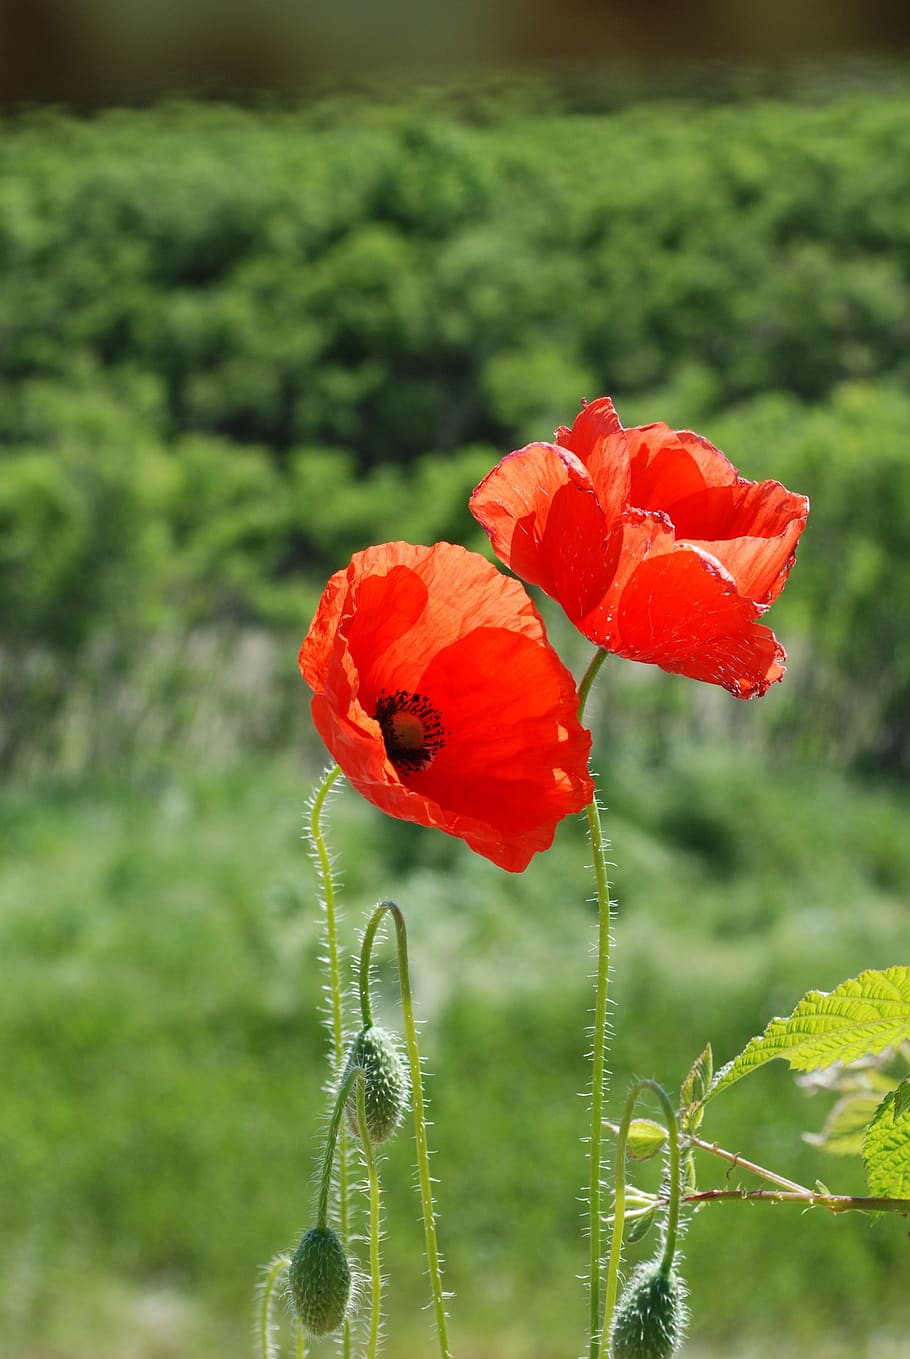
<point>412,729</point>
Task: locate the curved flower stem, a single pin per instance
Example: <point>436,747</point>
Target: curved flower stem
<point>424,1179</point>
<point>619,1210</point>
<point>277,1271</point>
<point>345,1086</point>
<point>332,960</point>
<point>599,1042</point>
<point>369,1157</point>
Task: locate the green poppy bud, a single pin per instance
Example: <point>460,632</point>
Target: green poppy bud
<point>651,1315</point>
<point>320,1281</point>
<point>375,1052</point>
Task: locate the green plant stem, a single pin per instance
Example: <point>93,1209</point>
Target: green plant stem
<point>736,1160</point>
<point>619,1211</point>
<point>424,1179</point>
<point>331,1138</point>
<point>366,952</point>
<point>277,1270</point>
<point>598,1071</point>
<point>327,882</point>
<point>588,679</point>
<point>834,1203</point>
<point>599,1040</point>
<point>369,1157</point>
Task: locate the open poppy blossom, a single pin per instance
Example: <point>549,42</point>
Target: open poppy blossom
<point>652,543</point>
<point>437,692</point>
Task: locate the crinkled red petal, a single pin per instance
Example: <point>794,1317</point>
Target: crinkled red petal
<point>680,610</point>
<point>544,520</point>
<point>444,623</point>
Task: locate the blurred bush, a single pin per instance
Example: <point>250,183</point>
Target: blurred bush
<point>237,345</point>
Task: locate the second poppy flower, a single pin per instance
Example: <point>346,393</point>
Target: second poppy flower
<point>652,543</point>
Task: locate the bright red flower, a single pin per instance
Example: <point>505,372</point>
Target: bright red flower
<point>438,694</point>
<point>654,546</point>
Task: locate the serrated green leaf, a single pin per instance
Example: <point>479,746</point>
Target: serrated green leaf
<point>886,1150</point>
<point>844,1130</point>
<point>865,1014</point>
<point>645,1139</point>
<point>694,1090</point>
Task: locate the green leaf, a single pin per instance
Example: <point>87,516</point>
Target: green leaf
<point>886,1150</point>
<point>865,1014</point>
<point>646,1137</point>
<point>695,1089</point>
<point>844,1130</point>
<point>638,1227</point>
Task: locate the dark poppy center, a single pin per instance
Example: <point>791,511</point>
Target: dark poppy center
<point>412,729</point>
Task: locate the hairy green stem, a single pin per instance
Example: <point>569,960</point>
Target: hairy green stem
<point>327,882</point>
<point>833,1203</point>
<point>333,961</point>
<point>345,1086</point>
<point>598,1073</point>
<point>424,1179</point>
<point>277,1271</point>
<point>588,679</point>
<point>736,1160</point>
<point>599,1038</point>
<point>619,1211</point>
<point>369,1157</point>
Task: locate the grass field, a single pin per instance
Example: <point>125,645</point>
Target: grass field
<point>163,1056</point>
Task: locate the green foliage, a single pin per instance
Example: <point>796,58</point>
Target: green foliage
<point>164,1062</point>
<point>238,345</point>
<point>845,1128</point>
<point>864,1015</point>
<point>886,1147</point>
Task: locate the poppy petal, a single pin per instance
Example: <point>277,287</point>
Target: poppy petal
<point>598,439</point>
<point>544,520</point>
<point>669,465</point>
<point>681,610</point>
<point>437,693</point>
<point>752,527</point>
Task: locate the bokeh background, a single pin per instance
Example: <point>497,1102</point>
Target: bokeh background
<point>278,283</point>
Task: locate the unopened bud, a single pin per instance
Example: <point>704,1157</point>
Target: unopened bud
<point>320,1281</point>
<point>651,1315</point>
<point>375,1052</point>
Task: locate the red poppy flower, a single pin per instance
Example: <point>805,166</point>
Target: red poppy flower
<point>654,546</point>
<point>438,694</point>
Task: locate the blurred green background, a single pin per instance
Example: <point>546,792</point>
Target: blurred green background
<point>238,343</point>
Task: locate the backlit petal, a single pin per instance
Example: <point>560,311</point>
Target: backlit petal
<point>544,519</point>
<point>680,610</point>
<point>445,635</point>
<point>599,441</point>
